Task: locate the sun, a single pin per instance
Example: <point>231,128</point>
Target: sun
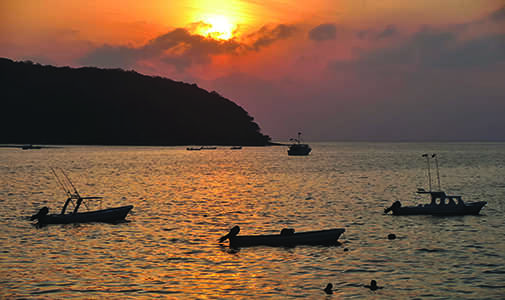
<point>217,27</point>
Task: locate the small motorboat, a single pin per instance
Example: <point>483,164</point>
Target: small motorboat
<point>236,148</point>
<point>194,148</point>
<point>441,204</point>
<point>287,237</point>
<point>108,215</point>
<point>298,148</point>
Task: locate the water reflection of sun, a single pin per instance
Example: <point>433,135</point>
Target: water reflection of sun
<point>217,27</point>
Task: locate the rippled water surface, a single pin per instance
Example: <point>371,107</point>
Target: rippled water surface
<point>185,200</point>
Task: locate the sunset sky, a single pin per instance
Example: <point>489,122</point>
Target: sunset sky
<point>381,70</point>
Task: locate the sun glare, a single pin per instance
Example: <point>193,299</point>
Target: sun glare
<point>216,27</point>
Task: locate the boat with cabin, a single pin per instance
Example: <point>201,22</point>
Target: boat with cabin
<point>441,204</point>
<point>298,148</point>
<point>108,215</point>
<point>287,237</point>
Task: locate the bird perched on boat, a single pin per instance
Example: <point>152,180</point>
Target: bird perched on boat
<point>329,289</point>
<point>373,285</point>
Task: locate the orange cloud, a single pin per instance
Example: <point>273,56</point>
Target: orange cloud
<point>182,49</point>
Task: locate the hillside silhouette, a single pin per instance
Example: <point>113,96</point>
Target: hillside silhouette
<point>92,106</point>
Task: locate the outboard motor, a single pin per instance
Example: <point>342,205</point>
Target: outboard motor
<point>233,232</point>
<point>42,213</point>
<point>397,204</point>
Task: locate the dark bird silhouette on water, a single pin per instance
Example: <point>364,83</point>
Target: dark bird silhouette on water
<point>373,285</point>
<point>329,289</point>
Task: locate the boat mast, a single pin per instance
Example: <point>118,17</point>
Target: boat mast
<point>438,174</point>
<point>429,172</point>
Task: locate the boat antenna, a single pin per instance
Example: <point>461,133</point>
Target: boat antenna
<point>62,185</point>
<point>438,174</point>
<point>71,184</point>
<point>429,172</point>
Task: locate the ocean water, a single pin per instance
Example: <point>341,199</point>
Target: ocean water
<point>185,200</point>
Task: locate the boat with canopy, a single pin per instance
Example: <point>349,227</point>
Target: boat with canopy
<point>108,215</point>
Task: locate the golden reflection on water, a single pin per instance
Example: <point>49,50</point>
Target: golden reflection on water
<point>185,200</point>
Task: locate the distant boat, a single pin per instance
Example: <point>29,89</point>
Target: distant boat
<point>287,237</point>
<point>297,148</point>
<point>109,215</point>
<point>236,148</point>
<point>30,147</point>
<point>201,148</point>
<point>441,204</point>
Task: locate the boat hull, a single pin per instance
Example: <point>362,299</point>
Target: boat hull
<point>298,152</point>
<point>321,237</point>
<point>471,208</point>
<point>299,149</point>
<point>109,215</point>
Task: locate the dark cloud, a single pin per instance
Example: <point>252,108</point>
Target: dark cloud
<point>178,48</point>
<point>389,31</point>
<point>362,34</point>
<point>267,35</point>
<point>498,15</point>
<point>432,48</point>
<point>182,49</point>
<point>477,53</point>
<point>323,32</point>
<point>112,57</point>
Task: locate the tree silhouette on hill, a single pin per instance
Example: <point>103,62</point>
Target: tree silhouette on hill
<point>92,106</point>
